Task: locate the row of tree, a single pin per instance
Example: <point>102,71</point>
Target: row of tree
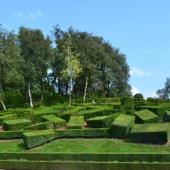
<point>69,62</point>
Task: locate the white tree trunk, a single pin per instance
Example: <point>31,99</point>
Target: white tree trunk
<point>29,94</point>
<point>71,88</point>
<point>85,90</point>
<point>3,104</point>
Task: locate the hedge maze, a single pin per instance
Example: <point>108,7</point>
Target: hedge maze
<point>144,124</point>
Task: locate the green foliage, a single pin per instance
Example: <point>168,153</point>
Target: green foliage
<point>145,116</point>
<point>138,96</point>
<point>101,111</point>
<point>16,124</point>
<point>159,110</point>
<point>101,121</point>
<point>167,116</point>
<point>36,138</point>
<point>7,117</point>
<point>40,126</point>
<point>122,126</point>
<point>156,133</point>
<point>75,122</point>
<point>10,134</point>
<point>83,133</point>
<point>58,122</point>
<point>127,104</point>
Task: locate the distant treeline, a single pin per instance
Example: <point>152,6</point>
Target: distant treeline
<point>37,68</point>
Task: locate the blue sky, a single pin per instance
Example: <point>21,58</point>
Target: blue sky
<point>139,28</point>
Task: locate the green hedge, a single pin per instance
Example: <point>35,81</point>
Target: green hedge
<point>160,111</point>
<point>85,157</point>
<point>73,165</point>
<point>58,122</point>
<point>122,126</point>
<point>36,138</point>
<point>7,117</point>
<point>83,133</point>
<point>10,134</point>
<point>76,122</point>
<point>145,116</point>
<point>154,133</point>
<point>96,112</point>
<point>16,124</point>
<point>101,121</point>
<point>65,116</point>
<point>167,116</point>
<point>41,126</point>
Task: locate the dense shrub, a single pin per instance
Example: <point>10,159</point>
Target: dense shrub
<point>160,111</point>
<point>127,103</point>
<point>83,133</point>
<point>7,117</point>
<point>122,126</point>
<point>10,134</point>
<point>40,126</point>
<point>58,122</point>
<point>101,121</point>
<point>145,116</point>
<point>167,116</point>
<point>36,138</point>
<point>154,133</point>
<point>76,122</point>
<point>65,116</point>
<point>96,112</point>
<point>138,96</point>
<point>16,124</point>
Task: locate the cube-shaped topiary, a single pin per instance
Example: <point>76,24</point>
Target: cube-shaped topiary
<point>75,122</point>
<point>36,138</point>
<point>145,116</point>
<point>121,126</point>
<point>16,124</point>
<point>58,122</point>
<point>153,133</point>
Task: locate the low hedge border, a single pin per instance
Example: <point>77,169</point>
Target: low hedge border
<point>72,165</point>
<point>97,157</point>
<point>36,138</point>
<point>84,133</point>
<point>10,134</point>
<point>40,126</point>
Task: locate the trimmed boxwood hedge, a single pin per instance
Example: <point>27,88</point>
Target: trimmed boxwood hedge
<point>75,122</point>
<point>101,121</point>
<point>58,122</point>
<point>122,125</point>
<point>10,134</point>
<point>16,124</point>
<point>96,112</point>
<point>7,117</point>
<point>167,116</point>
<point>73,165</point>
<point>41,126</point>
<point>83,133</point>
<point>154,133</point>
<point>36,138</point>
<point>145,116</point>
<point>160,111</point>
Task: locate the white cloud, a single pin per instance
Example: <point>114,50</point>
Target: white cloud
<point>134,90</point>
<point>139,72</point>
<point>32,15</point>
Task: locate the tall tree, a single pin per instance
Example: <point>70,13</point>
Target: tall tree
<point>165,92</point>
<point>72,67</point>
<point>10,63</point>
<point>36,52</point>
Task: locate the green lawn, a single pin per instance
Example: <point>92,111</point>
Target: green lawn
<point>83,146</point>
<point>98,146</point>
